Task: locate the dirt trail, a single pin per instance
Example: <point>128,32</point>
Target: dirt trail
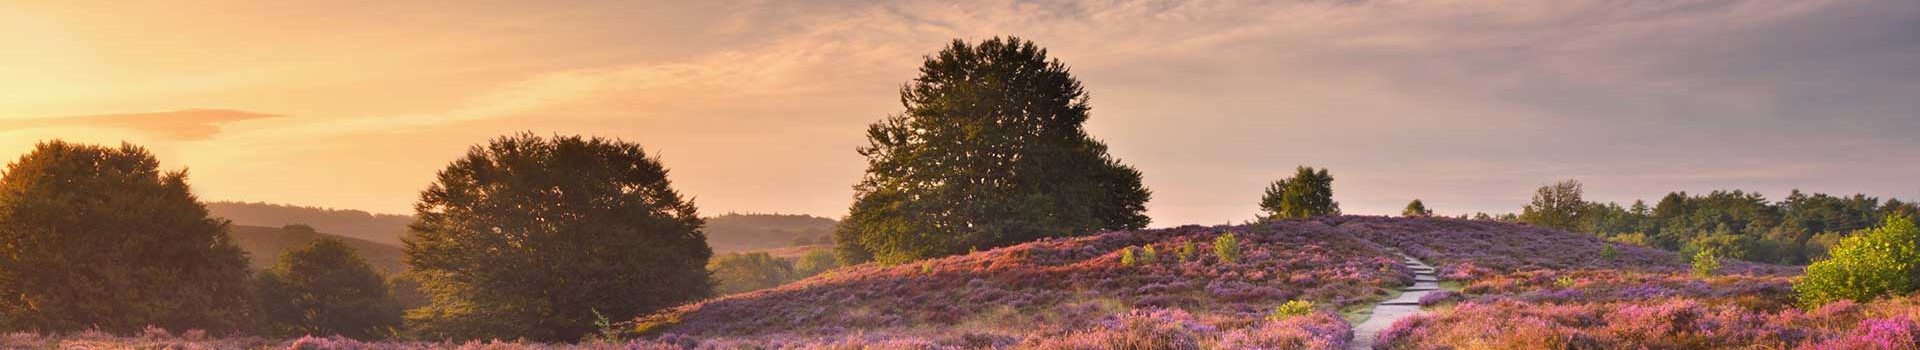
<point>1390,311</point>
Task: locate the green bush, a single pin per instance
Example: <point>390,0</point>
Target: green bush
<point>1186,251</point>
<point>1609,252</point>
<point>1877,262</point>
<point>1149,256</point>
<point>1290,309</point>
<point>1227,247</point>
<point>1706,263</point>
<point>1126,257</point>
<point>326,289</point>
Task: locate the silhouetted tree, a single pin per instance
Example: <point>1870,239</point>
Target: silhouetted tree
<point>1416,209</point>
<point>989,152</point>
<point>1308,193</point>
<point>94,236</point>
<point>326,289</point>
<point>1555,206</point>
<point>529,237</point>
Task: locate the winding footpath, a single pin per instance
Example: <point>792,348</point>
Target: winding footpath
<point>1387,312</point>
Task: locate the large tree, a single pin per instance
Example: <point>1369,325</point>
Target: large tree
<point>989,152</point>
<point>534,237</point>
<point>324,289</point>
<point>94,236</point>
<point>1556,206</point>
<point>1308,193</point>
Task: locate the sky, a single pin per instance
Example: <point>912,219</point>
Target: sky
<point>757,106</point>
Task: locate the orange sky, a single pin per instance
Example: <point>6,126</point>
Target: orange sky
<point>757,106</point>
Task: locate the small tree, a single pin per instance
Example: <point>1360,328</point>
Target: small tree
<point>529,236</point>
<point>1148,255</point>
<point>1883,261</point>
<point>1609,252</point>
<point>744,272</point>
<point>1308,193</point>
<point>1706,263</point>
<point>1290,309</point>
<point>1187,250</point>
<point>990,151</point>
<point>1127,258</point>
<point>1555,206</point>
<point>1227,248</point>
<point>326,289</point>
<point>99,237</point>
<point>1416,209</point>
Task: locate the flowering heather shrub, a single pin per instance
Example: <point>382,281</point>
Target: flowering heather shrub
<point>1467,249</point>
<point>1673,323</point>
<point>1049,289</point>
<point>1440,297</point>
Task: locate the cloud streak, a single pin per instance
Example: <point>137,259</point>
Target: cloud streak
<point>185,125</point>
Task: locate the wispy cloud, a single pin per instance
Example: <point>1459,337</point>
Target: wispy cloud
<point>186,125</point>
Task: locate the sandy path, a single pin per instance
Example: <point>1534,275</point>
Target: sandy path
<point>1390,311</point>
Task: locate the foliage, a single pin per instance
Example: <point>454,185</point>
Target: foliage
<point>1308,193</point>
<point>526,236</point>
<point>1127,259</point>
<point>1883,261</point>
<point>1609,252</point>
<point>1416,209</point>
<point>1227,247</point>
<point>265,245</point>
<point>99,237</point>
<point>326,289</point>
<point>990,151</point>
<point>1706,263</point>
<point>375,227</point>
<point>1148,255</point>
<point>741,272</point>
<point>1290,309</point>
<point>1556,206</point>
<point>814,262</point>
<point>739,232</point>
<point>1186,252</point>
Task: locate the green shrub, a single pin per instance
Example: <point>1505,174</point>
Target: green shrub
<point>1149,256</point>
<point>1186,251</point>
<point>1227,247</point>
<point>1706,263</point>
<point>1126,257</point>
<point>1564,282</point>
<point>1290,309</point>
<point>745,272</point>
<point>1609,252</point>
<point>1872,263</point>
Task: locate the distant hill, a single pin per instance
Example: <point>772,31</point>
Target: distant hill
<point>733,232</point>
<point>382,228</point>
<point>264,245</point>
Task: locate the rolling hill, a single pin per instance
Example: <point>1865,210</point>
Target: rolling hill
<point>734,232</point>
<point>1076,293</point>
<point>264,245</point>
<point>379,228</point>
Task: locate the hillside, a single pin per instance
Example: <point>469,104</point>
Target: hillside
<point>734,232</point>
<point>381,228</point>
<point>1075,293</point>
<point>264,246</point>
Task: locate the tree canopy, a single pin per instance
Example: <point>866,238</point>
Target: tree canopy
<point>534,237</point>
<point>1308,193</point>
<point>93,236</point>
<point>1555,206</point>
<point>325,289</point>
<point>990,151</point>
<point>1416,209</point>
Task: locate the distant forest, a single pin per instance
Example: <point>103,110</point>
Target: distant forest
<point>380,228</point>
<point>731,232</point>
